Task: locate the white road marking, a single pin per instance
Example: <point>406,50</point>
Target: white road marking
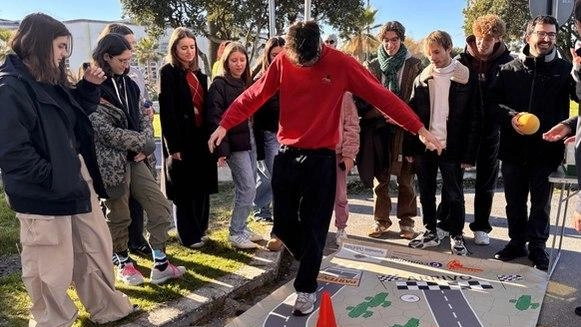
<point>450,306</point>
<point>446,298</point>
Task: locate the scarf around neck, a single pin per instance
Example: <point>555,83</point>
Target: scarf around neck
<point>390,65</point>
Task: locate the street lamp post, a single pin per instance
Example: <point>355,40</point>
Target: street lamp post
<point>271,18</point>
<point>307,10</point>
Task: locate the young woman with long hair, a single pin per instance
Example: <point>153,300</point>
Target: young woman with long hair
<point>190,172</point>
<point>238,149</point>
<point>51,178</point>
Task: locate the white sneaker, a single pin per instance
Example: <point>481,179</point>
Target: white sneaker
<point>130,275</point>
<point>198,245</point>
<point>170,272</point>
<point>252,236</point>
<point>241,241</point>
<point>304,304</point>
<point>481,238</point>
<point>340,236</point>
<point>442,234</point>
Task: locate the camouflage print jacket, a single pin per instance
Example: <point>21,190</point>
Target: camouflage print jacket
<point>113,141</point>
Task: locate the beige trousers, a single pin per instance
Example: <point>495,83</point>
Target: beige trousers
<point>58,250</point>
<point>148,193</point>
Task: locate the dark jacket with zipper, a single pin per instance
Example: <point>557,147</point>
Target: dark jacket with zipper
<point>265,119</point>
<point>541,86</point>
<point>223,91</point>
<point>485,71</point>
<point>463,121</point>
<point>197,172</point>
<point>39,162</point>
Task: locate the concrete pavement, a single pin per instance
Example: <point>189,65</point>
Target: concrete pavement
<point>564,290</point>
<point>563,294</point>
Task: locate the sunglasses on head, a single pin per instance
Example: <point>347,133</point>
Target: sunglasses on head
<point>330,41</point>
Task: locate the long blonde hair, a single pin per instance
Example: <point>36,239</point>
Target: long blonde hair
<point>172,56</point>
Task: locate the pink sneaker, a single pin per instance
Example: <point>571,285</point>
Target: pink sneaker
<point>130,275</point>
<point>170,272</point>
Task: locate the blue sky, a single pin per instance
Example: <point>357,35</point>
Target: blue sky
<point>418,16</point>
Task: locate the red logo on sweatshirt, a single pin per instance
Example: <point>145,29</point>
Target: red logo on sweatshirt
<point>326,79</point>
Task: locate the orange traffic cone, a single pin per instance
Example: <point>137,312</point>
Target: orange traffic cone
<point>326,313</point>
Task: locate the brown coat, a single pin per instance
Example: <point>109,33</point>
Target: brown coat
<point>412,68</point>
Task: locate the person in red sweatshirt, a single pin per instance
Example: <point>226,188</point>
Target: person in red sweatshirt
<point>311,79</point>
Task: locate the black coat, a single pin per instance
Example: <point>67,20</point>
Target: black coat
<point>265,119</point>
<point>462,125</point>
<point>485,72</point>
<point>223,91</point>
<point>40,165</point>
<point>540,87</point>
<point>197,172</point>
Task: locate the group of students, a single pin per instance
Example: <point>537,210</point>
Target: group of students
<point>62,147</point>
<point>471,104</point>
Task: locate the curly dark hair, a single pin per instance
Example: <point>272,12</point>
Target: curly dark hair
<point>393,26</point>
<point>303,42</point>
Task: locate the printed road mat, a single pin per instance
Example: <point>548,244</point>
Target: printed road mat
<point>389,285</point>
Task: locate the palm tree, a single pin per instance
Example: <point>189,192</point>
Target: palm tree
<point>147,54</point>
<point>362,44</point>
<point>5,35</point>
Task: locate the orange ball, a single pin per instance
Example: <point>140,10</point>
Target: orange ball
<point>528,123</point>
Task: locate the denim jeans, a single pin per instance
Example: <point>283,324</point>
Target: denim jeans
<point>242,165</point>
<point>264,176</point>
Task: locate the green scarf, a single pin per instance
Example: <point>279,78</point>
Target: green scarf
<point>390,65</point>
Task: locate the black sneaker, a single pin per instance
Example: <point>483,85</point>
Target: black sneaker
<point>539,258</point>
<point>142,250</point>
<point>578,311</point>
<point>511,252</point>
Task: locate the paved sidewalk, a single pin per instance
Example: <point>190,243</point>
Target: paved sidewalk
<point>564,290</point>
<point>563,293</point>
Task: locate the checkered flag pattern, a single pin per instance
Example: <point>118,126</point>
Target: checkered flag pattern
<point>387,278</point>
<point>432,286</point>
<point>509,277</point>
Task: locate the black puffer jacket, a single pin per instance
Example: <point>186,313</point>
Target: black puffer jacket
<point>40,165</point>
<point>542,86</point>
<point>223,91</point>
<point>463,123</point>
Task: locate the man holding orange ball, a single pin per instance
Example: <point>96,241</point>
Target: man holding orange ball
<point>572,125</point>
<point>537,83</point>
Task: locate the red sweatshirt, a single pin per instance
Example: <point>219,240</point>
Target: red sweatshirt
<point>311,97</point>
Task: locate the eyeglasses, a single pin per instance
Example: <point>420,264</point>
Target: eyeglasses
<point>543,34</point>
<point>124,62</point>
<point>329,41</point>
